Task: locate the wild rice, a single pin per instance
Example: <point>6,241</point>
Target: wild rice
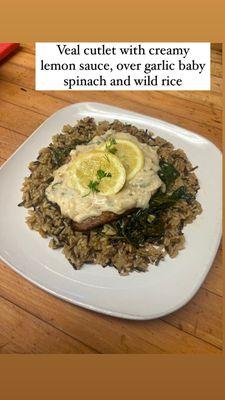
<point>99,246</point>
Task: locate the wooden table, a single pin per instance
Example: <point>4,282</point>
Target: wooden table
<point>32,321</point>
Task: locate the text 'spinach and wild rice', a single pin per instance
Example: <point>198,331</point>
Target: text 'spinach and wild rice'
<point>133,241</point>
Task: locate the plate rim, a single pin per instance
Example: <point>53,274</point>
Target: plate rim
<point>101,309</point>
<point>120,108</point>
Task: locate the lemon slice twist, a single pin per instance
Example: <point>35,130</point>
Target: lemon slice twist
<point>129,154</point>
<point>85,169</point>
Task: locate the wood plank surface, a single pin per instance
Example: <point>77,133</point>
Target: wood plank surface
<point>110,335</point>
<point>54,326</point>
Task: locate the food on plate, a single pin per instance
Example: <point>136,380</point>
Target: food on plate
<point>109,193</point>
<point>112,173</point>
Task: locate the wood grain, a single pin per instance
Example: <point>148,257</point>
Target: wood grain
<point>9,142</point>
<point>54,326</point>
<point>33,335</point>
<point>42,105</point>
<point>1,161</point>
<point>102,332</point>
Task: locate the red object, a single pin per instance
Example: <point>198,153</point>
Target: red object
<point>7,48</point>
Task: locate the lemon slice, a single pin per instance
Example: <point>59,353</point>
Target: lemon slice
<point>129,154</point>
<point>85,169</point>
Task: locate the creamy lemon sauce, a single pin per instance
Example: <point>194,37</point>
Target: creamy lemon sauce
<point>135,194</point>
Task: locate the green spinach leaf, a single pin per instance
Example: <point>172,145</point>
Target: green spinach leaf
<point>167,173</point>
<point>148,224</point>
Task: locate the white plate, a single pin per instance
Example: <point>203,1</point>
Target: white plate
<point>159,291</point>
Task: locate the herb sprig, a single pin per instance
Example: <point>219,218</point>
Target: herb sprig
<point>93,185</point>
<point>110,146</point>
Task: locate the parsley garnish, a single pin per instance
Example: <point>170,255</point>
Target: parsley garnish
<point>102,174</point>
<point>110,146</point>
<point>93,185</point>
